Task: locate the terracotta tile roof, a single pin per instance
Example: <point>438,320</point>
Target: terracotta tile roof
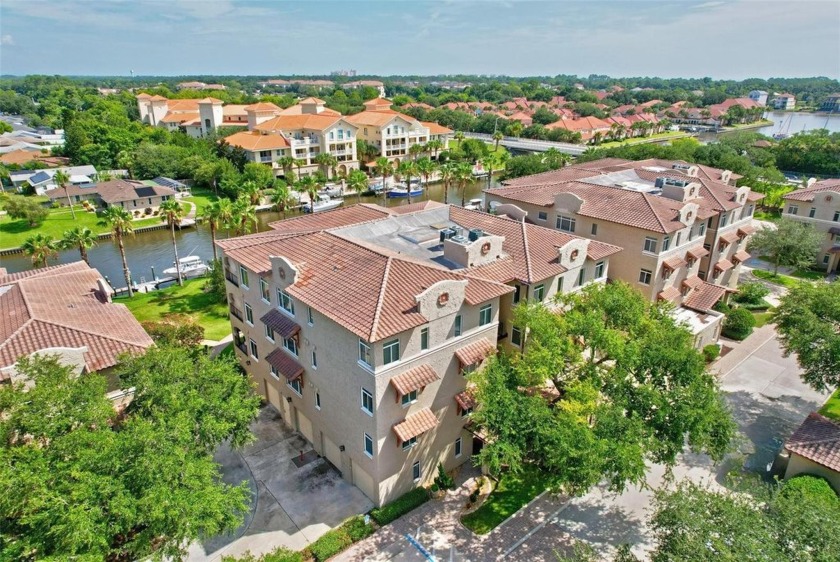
<point>704,297</point>
<point>179,105</point>
<point>316,122</point>
<point>465,400</point>
<point>568,173</point>
<point>336,218</point>
<point>669,293</point>
<point>808,193</point>
<point>414,207</point>
<point>378,118</point>
<point>284,364</point>
<point>698,252</point>
<point>414,379</point>
<point>262,106</point>
<point>60,307</point>
<point>818,440</point>
<point>254,141</point>
<point>416,424</point>
<point>436,128</point>
<point>475,352</point>
<point>297,109</point>
<point>731,236</point>
<point>724,265</point>
<point>692,282</point>
<point>312,100</point>
<point>179,117</point>
<point>674,262</point>
<point>746,230</point>
<point>741,256</point>
<point>282,325</point>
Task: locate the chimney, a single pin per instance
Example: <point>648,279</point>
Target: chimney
<point>105,291</point>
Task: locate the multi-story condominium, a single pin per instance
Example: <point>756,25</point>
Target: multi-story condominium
<point>197,118</point>
<point>359,325</point>
<point>683,228</point>
<point>758,96</point>
<point>819,206</point>
<point>831,103</point>
<point>392,132</point>
<point>784,101</point>
<point>302,131</point>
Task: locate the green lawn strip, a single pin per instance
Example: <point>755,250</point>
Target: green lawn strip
<point>780,279</point>
<point>644,140</point>
<point>201,198</point>
<point>512,492</point>
<point>497,165</point>
<point>831,409</point>
<point>190,300</point>
<point>762,318</point>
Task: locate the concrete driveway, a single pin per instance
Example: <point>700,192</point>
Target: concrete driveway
<point>768,402</point>
<point>294,504</point>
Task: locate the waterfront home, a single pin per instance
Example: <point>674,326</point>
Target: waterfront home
<point>758,96</point>
<point>785,102</point>
<point>43,181</point>
<point>196,118</point>
<point>138,197</point>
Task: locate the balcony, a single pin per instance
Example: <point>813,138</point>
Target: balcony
<point>241,347</point>
<point>236,312</point>
<point>230,276</point>
<point>265,159</point>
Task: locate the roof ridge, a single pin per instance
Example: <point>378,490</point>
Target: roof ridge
<point>652,210</point>
<point>527,254</point>
<point>378,312</point>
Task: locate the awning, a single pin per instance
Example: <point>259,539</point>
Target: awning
<point>705,297</point>
<point>465,401</point>
<point>724,265</point>
<point>730,237</point>
<point>414,379</point>
<point>746,230</point>
<point>834,250</point>
<point>834,230</point>
<point>741,256</point>
<point>280,323</point>
<point>475,352</point>
<point>673,263</point>
<point>284,364</point>
<point>669,293</point>
<point>416,424</point>
<point>698,252</point>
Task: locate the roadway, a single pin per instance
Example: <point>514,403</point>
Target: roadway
<point>530,145</point>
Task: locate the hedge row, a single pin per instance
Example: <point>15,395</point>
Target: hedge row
<point>399,507</point>
<point>340,538</point>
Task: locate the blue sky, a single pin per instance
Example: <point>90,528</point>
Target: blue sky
<point>721,39</point>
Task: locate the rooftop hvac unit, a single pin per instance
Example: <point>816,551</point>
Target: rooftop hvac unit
<point>681,166</point>
<point>459,239</point>
<point>475,234</point>
<point>446,234</point>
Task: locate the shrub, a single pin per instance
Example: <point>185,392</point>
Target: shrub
<point>147,211</point>
<point>55,205</point>
<point>738,324</point>
<point>443,480</point>
<point>20,207</point>
<point>216,281</point>
<point>357,529</point>
<point>751,293</point>
<point>281,554</point>
<point>399,507</point>
<point>711,352</point>
<point>177,330</point>
<point>329,544</point>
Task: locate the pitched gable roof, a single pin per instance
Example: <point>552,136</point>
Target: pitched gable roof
<point>818,440</point>
<point>808,193</point>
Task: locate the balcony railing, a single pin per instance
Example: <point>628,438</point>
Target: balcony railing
<point>265,158</point>
<point>236,312</point>
<point>242,348</point>
<point>230,276</point>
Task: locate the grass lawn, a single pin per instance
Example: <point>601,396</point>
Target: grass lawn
<point>753,125</point>
<point>762,318</point>
<point>772,216</point>
<point>642,140</point>
<point>190,300</point>
<point>497,166</point>
<point>200,198</point>
<point>780,279</point>
<point>14,232</point>
<point>832,407</point>
<point>512,492</point>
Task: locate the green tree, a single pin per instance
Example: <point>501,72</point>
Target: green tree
<point>172,213</point>
<point>251,190</point>
<point>426,167</point>
<point>308,185</point>
<point>447,174</point>
<point>119,221</point>
<point>81,238</point>
<point>384,168</point>
<point>143,482</point>
<point>61,178</point>
<point>217,214</point>
<point>738,324</point>
<point>407,169</point>
<point>260,174</point>
<point>243,216</point>
<point>177,330</point>
<point>434,146</point>
<point>806,320</point>
<point>327,163</point>
<point>792,243</point>
<point>281,197</point>
<point>287,163</point>
<point>20,207</point>
<point>463,177</point>
<point>41,247</point>
<point>497,138</point>
<point>357,181</point>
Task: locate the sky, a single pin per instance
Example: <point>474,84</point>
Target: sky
<point>733,39</point>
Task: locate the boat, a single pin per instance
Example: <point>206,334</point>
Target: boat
<point>479,172</point>
<point>401,190</point>
<point>783,133</point>
<point>323,203</point>
<point>376,186</point>
<point>474,205</point>
<point>331,190</point>
<point>191,266</point>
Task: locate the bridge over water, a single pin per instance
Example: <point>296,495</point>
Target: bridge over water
<point>530,145</point>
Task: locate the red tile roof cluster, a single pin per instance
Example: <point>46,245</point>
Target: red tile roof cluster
<point>61,306</point>
<point>818,440</point>
<point>704,296</point>
<point>808,193</point>
<point>416,424</point>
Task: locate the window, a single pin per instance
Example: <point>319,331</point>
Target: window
<point>599,270</point>
<point>296,386</point>
<point>314,360</point>
<point>702,229</point>
<point>291,345</point>
<point>539,292</point>
<point>594,229</point>
<point>269,333</point>
<point>309,317</point>
<point>644,277</point>
<point>243,277</point>
<point>458,447</point>
<point>457,325</point>
<point>701,275</point>
<point>650,245</point>
<point>391,352</point>
<point>517,293</point>
<point>677,243</point>
<point>691,234</point>
<point>516,336</point>
<point>415,470</point>
<point>364,353</point>
<point>812,212</point>
<point>264,290</point>
<point>485,314</point>
<point>750,210</point>
<point>409,398</point>
<point>724,218</point>
<point>581,277</point>
<point>836,216</point>
<point>317,400</point>
<point>249,314</point>
<point>368,445</point>
<point>666,243</point>
<point>274,373</point>
<point>559,284</point>
<point>367,402</point>
<point>254,352</point>
<point>406,445</point>
<point>542,215</point>
<point>284,300</point>
<point>424,338</point>
<point>566,224</point>
<point>825,259</point>
<point>466,412</point>
<point>793,209</point>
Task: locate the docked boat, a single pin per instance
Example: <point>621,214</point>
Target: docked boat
<point>401,190</point>
<point>191,266</point>
<point>376,187</point>
<point>323,203</point>
<point>474,205</point>
<point>331,190</point>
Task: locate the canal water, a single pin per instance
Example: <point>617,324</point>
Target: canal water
<point>153,249</point>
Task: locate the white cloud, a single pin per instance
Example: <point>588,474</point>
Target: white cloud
<point>7,40</point>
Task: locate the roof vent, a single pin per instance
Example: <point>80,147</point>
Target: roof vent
<point>475,234</point>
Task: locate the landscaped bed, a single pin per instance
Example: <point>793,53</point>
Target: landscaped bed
<point>512,492</point>
<point>832,407</point>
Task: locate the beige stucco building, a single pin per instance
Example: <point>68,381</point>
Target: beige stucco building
<point>359,325</point>
<point>814,448</point>
<point>683,228</point>
<point>819,206</point>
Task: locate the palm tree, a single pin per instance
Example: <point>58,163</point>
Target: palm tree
<point>119,220</point>
<point>415,150</point>
<point>62,179</point>
<point>80,237</point>
<point>287,163</point>
<point>487,162</point>
<point>250,189</point>
<point>217,214</point>
<point>299,163</point>
<point>434,146</point>
<point>357,181</point>
<point>426,167</point>
<point>463,176</point>
<point>328,162</point>
<point>407,169</point>
<point>383,168</point>
<point>280,196</point>
<point>447,174</point>
<point>41,247</point>
<point>243,216</point>
<point>171,212</point>
<point>497,138</point>
<point>309,185</point>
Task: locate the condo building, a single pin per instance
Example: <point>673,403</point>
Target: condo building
<point>819,206</point>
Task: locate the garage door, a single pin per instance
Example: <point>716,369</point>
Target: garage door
<point>332,453</point>
<point>305,426</point>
